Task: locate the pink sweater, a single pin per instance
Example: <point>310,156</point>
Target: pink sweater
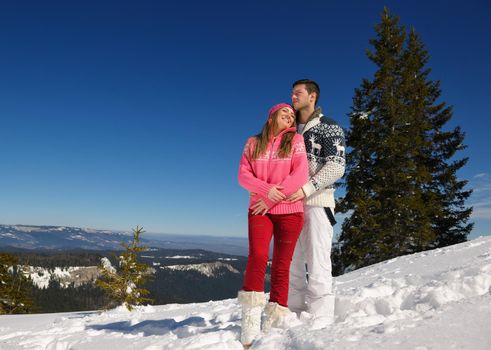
<point>260,175</point>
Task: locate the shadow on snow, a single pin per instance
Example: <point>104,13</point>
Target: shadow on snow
<point>185,328</point>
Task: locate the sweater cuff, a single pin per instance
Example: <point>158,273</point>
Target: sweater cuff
<point>264,189</point>
<point>269,202</point>
<point>266,200</point>
<point>308,189</point>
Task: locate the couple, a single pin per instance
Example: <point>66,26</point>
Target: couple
<point>291,179</point>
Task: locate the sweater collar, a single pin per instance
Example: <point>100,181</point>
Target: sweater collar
<point>315,114</point>
<point>313,120</point>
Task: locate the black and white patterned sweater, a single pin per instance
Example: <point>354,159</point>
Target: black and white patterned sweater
<point>325,145</point>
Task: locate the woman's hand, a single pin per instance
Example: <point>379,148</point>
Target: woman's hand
<point>300,194</point>
<point>275,195</point>
<point>259,208</point>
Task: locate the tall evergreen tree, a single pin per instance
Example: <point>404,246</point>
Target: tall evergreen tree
<point>402,194</point>
<point>124,285</point>
<point>15,289</point>
<point>450,222</point>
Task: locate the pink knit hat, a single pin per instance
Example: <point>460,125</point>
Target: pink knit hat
<point>278,107</point>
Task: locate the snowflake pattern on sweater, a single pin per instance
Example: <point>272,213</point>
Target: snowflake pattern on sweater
<point>325,147</point>
<point>298,147</point>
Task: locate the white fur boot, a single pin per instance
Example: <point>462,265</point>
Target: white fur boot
<point>279,317</point>
<point>252,306</point>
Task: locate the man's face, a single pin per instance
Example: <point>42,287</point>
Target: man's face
<point>301,97</point>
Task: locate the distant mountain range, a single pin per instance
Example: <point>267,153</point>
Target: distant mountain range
<point>62,238</point>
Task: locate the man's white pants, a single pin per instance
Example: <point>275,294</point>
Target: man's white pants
<point>313,254</point>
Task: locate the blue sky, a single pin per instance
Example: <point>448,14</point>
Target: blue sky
<point>123,113</point>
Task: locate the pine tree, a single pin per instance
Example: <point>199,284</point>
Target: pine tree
<point>123,285</point>
<point>15,289</point>
<point>401,193</point>
<point>450,222</point>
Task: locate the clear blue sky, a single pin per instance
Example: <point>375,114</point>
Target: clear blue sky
<point>117,113</point>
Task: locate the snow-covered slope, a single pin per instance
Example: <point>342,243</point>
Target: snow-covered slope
<point>207,269</point>
<point>439,299</point>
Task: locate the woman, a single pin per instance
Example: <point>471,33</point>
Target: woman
<point>273,166</point>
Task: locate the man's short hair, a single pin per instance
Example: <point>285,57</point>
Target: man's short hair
<point>311,87</point>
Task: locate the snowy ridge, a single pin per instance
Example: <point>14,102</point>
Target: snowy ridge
<point>207,269</point>
<point>59,237</point>
<point>438,299</point>
<point>77,275</point>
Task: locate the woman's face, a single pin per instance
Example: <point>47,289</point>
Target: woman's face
<point>285,118</point>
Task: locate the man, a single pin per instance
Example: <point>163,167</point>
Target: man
<point>325,145</point>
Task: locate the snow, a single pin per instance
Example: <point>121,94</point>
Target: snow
<point>363,115</point>
<point>41,276</point>
<point>207,269</point>
<point>439,299</point>
<point>106,265</point>
<point>77,236</point>
<point>9,235</point>
<point>26,228</point>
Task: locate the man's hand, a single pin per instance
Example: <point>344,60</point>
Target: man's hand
<point>300,194</point>
<point>259,208</point>
<point>275,195</point>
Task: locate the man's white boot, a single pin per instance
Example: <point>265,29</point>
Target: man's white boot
<point>279,317</point>
<point>322,311</point>
<point>296,301</point>
<point>252,306</point>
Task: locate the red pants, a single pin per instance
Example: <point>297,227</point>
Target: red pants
<point>285,228</point>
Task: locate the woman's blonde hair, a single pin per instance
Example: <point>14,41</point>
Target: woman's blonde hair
<point>269,129</point>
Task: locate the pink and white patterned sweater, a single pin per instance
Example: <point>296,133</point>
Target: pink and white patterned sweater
<point>260,175</point>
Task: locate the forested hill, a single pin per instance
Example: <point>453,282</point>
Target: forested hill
<point>64,280</point>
